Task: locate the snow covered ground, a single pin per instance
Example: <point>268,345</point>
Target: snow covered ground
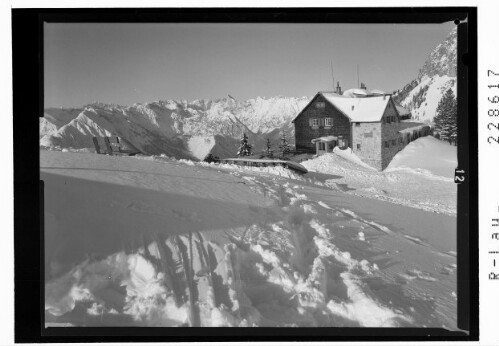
<point>152,241</point>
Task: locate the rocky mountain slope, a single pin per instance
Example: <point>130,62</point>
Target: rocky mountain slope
<point>438,74</point>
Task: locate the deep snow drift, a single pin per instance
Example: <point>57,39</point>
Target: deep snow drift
<point>427,155</point>
<point>158,242</point>
<point>420,175</point>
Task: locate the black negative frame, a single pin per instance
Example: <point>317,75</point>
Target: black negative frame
<point>27,47</point>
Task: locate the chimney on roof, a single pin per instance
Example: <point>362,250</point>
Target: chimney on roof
<point>363,86</point>
<point>353,107</point>
<point>338,88</point>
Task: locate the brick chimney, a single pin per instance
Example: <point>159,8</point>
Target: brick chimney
<point>363,86</point>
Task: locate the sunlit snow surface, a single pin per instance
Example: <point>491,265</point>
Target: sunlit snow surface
<point>284,249</point>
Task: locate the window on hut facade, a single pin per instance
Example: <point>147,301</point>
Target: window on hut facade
<point>387,145</point>
<point>315,122</point>
<point>320,105</point>
<point>358,146</point>
<point>394,142</point>
<point>328,122</point>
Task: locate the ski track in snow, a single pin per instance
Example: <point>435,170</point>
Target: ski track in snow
<point>305,269</point>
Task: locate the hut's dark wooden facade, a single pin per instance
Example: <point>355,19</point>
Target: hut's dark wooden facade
<point>319,108</point>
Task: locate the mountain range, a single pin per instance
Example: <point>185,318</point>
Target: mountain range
<point>175,128</point>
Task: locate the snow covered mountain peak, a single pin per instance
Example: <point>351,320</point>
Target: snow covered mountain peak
<point>443,59</point>
<point>438,74</point>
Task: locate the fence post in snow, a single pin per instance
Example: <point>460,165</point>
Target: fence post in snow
<point>108,146</point>
<point>96,145</point>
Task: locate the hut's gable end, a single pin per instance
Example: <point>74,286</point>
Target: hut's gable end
<point>319,119</point>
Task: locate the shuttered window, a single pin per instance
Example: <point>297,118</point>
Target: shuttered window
<point>328,122</point>
<point>314,122</point>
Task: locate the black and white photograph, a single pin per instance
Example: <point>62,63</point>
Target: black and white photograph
<point>249,175</point>
<point>308,172</point>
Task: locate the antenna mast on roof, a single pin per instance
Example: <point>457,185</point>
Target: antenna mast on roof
<point>332,72</point>
<point>357,75</point>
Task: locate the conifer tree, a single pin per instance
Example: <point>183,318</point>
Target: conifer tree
<point>284,147</point>
<point>446,118</point>
<point>244,147</point>
<point>268,149</point>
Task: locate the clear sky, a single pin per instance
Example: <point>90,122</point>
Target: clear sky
<point>130,63</point>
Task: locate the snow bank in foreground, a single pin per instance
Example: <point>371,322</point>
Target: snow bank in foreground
<point>341,161</point>
<point>428,156</point>
<point>278,170</point>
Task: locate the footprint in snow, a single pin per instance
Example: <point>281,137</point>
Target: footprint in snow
<point>448,269</point>
<point>186,216</point>
<point>418,274</point>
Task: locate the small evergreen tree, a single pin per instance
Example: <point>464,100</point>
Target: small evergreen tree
<point>446,118</point>
<point>268,152</point>
<point>284,147</point>
<point>245,147</point>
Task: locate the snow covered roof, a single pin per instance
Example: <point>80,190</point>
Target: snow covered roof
<point>402,110</point>
<point>365,109</point>
<point>325,139</point>
<point>356,92</point>
<point>357,109</point>
<point>416,127</point>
